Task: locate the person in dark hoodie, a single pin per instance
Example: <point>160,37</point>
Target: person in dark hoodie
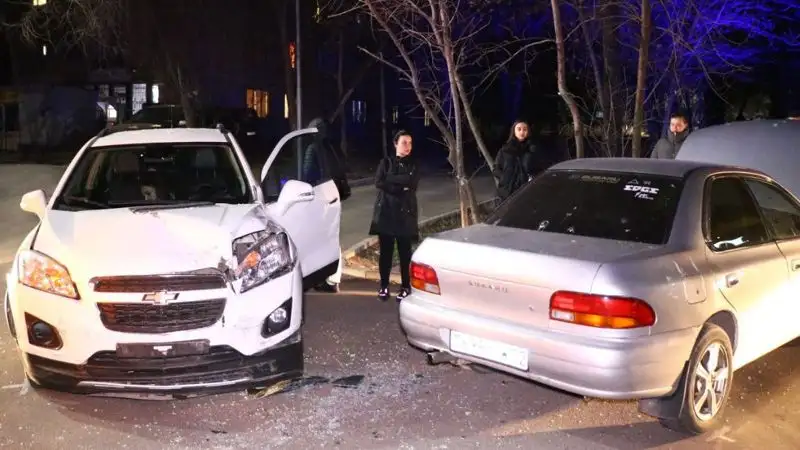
<point>395,216</point>
<point>321,159</point>
<point>668,146</point>
<point>515,163</point>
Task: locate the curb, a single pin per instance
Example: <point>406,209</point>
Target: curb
<point>373,275</point>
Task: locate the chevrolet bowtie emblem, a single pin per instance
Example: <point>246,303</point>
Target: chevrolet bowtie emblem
<point>160,297</point>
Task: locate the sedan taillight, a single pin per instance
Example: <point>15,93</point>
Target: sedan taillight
<point>601,311</point>
<point>424,278</point>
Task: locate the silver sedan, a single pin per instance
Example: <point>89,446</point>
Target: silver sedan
<point>620,279</point>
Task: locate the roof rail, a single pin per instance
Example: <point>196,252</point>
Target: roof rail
<point>128,127</point>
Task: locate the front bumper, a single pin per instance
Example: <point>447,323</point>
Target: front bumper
<point>222,367</point>
<point>236,351</point>
<point>618,369</point>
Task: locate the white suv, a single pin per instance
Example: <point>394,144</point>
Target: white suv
<point>161,264</point>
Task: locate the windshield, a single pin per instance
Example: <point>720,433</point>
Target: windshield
<point>609,205</point>
<point>162,174</point>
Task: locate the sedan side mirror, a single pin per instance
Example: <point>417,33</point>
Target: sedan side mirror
<point>34,202</point>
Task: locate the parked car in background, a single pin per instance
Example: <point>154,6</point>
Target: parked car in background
<point>624,278</point>
<point>160,264</point>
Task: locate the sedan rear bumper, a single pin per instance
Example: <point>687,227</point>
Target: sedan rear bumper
<point>220,369</point>
<point>618,369</point>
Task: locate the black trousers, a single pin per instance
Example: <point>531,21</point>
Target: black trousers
<point>387,244</point>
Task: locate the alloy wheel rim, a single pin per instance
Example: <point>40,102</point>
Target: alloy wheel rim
<point>711,377</point>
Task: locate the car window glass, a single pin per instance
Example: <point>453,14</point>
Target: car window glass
<point>733,218</point>
<point>309,165</point>
<point>112,177</point>
<point>780,212</point>
<point>601,204</point>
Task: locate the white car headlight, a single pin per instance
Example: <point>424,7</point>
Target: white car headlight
<point>39,271</point>
<point>263,256</point>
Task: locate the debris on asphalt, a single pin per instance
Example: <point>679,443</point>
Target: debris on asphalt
<point>280,387</point>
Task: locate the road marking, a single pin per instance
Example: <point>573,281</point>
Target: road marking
<point>12,386</point>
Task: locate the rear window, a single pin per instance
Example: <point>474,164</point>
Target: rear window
<point>608,205</point>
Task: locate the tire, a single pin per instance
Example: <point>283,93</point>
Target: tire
<point>9,317</point>
<point>705,398</point>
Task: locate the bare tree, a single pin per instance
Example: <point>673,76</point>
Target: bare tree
<point>563,91</point>
<point>434,41</point>
<point>87,24</point>
<point>641,79</point>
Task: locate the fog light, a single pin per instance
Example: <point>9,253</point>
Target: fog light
<point>278,316</point>
<point>41,333</point>
<point>278,320</point>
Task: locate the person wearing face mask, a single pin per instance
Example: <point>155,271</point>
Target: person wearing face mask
<point>668,146</point>
<point>515,161</point>
<point>395,216</point>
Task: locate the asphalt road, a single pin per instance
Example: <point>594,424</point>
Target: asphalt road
<point>401,403</point>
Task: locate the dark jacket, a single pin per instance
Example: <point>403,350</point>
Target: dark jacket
<point>321,152</point>
<point>514,165</point>
<point>668,146</point>
<point>396,212</point>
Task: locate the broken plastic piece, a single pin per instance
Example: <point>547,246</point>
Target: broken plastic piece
<point>350,382</point>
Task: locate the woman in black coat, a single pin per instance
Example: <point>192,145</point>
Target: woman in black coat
<point>515,163</point>
<point>395,217</point>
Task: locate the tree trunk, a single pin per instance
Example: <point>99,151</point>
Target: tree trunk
<point>466,201</point>
<point>641,80</point>
<point>602,91</point>
<point>609,19</point>
<point>577,125</point>
<point>473,122</point>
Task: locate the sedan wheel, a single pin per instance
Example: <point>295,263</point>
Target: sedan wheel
<point>711,382</point>
<point>708,382</point>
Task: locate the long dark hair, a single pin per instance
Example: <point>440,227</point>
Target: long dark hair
<point>513,139</point>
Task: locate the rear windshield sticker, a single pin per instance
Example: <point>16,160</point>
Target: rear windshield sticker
<point>643,192</point>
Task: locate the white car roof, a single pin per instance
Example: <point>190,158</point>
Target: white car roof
<point>161,136</point>
<point>768,146</point>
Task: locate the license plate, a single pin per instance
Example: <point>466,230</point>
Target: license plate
<point>489,350</point>
<point>163,350</point>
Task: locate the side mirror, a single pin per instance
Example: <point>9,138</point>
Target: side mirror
<point>294,191</point>
<point>34,202</point>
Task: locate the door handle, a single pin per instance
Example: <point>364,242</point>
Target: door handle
<point>731,280</point>
<point>796,265</point>
<point>333,201</point>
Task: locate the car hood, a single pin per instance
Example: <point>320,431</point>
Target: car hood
<point>124,241</point>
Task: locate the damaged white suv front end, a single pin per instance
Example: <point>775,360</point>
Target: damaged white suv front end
<point>158,297</point>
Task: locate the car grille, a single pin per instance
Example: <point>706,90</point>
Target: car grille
<point>155,283</point>
<point>149,318</point>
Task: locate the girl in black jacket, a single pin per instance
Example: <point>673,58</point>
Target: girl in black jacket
<point>515,161</point>
<point>395,217</point>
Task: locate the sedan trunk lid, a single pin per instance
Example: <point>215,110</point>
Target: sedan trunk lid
<point>510,274</point>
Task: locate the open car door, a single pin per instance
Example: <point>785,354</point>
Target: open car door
<point>313,224</point>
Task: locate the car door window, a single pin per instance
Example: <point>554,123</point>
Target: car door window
<point>778,209</point>
<point>733,218</point>
<point>307,165</point>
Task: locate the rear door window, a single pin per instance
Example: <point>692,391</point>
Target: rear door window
<point>778,209</point>
<point>609,205</point>
<point>733,218</point>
